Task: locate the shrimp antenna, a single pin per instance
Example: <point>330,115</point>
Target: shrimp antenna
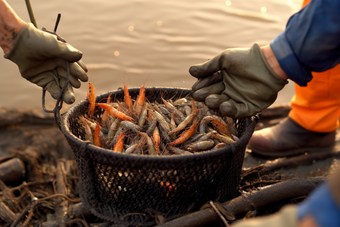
<point>181,93</point>
<point>124,78</point>
<point>146,78</point>
<point>91,76</point>
<point>174,96</point>
<point>97,78</point>
<point>162,92</point>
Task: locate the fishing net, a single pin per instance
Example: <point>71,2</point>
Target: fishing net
<point>134,190</point>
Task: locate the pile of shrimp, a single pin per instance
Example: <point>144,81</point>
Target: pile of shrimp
<point>180,127</point>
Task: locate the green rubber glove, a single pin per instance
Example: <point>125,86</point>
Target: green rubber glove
<point>238,81</point>
<point>41,58</point>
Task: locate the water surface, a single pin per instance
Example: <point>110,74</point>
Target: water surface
<point>147,42</point>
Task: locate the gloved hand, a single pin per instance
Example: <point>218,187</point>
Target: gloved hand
<point>238,81</point>
<point>41,58</point>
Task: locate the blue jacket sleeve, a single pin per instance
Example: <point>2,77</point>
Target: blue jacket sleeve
<point>311,41</point>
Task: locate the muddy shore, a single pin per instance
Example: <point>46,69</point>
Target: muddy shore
<point>39,176</point>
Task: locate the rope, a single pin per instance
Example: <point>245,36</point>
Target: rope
<point>59,103</point>
<point>219,213</point>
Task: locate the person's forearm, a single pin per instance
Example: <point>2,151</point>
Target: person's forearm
<point>10,25</point>
<point>272,62</point>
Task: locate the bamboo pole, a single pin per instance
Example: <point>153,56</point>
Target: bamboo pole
<point>31,13</point>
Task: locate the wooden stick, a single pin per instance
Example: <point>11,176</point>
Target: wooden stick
<point>6,214</point>
<point>62,210</point>
<point>299,160</point>
<point>29,208</point>
<point>241,205</point>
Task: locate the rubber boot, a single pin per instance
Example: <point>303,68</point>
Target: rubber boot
<point>288,138</point>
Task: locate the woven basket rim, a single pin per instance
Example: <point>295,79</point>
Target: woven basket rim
<point>198,155</point>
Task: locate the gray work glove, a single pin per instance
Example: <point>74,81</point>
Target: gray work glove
<point>238,81</point>
<point>41,58</point>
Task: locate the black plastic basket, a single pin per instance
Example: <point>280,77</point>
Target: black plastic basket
<point>130,189</point>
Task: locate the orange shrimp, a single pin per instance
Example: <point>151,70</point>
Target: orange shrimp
<point>96,136</point>
<point>222,128</point>
<point>91,97</point>
<point>194,108</point>
<point>114,112</point>
<point>106,113</point>
<point>185,135</point>
<point>156,137</point>
<point>118,147</point>
<point>127,99</point>
<point>140,101</point>
<point>217,123</point>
